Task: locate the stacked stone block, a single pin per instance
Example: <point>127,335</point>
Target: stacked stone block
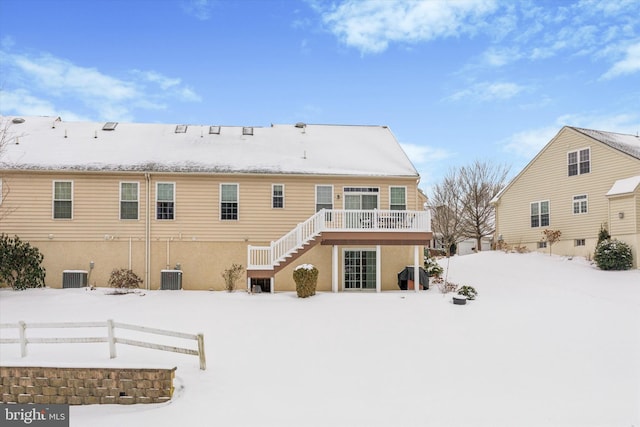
<point>85,386</point>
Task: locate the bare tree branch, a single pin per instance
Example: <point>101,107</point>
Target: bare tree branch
<point>479,183</point>
<point>460,203</point>
<point>445,210</point>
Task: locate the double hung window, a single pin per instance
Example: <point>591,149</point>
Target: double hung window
<point>228,202</point>
<point>165,200</point>
<point>579,162</point>
<point>324,197</point>
<point>540,214</point>
<point>398,198</point>
<point>62,199</point>
<point>277,196</point>
<point>129,200</point>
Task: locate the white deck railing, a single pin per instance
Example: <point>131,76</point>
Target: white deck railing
<point>23,340</point>
<point>266,257</point>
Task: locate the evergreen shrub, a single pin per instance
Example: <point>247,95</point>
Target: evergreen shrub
<point>306,278</point>
<point>20,264</point>
<point>613,255</point>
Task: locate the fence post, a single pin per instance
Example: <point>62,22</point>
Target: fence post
<point>23,338</point>
<point>112,339</point>
<point>203,361</point>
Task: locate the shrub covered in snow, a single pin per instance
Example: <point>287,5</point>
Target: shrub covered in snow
<point>613,255</point>
<point>306,278</point>
<point>432,267</point>
<point>20,264</point>
<point>124,278</point>
<point>468,291</point>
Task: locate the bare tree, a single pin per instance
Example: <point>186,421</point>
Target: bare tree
<point>479,183</point>
<point>5,138</point>
<point>445,207</point>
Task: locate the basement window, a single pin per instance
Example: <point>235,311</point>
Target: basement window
<point>580,242</point>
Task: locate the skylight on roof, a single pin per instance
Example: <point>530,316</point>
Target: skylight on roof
<point>214,130</point>
<point>181,128</point>
<point>110,126</point>
<point>247,131</point>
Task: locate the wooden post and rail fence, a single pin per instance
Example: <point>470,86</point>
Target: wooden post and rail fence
<point>111,338</point>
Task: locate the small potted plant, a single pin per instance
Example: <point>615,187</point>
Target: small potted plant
<point>459,299</point>
<point>306,278</point>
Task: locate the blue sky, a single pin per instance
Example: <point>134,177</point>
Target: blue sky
<point>455,81</point>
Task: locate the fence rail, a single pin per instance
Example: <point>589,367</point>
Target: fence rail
<point>111,338</point>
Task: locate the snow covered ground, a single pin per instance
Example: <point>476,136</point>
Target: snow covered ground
<point>549,342</point>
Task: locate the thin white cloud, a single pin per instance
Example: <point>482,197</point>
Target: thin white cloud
<point>421,154</point>
<point>628,65</point>
<point>44,84</point>
<point>22,103</point>
<point>485,92</point>
<point>170,84</point>
<point>199,9</point>
<point>371,25</point>
<point>500,56</point>
<point>528,143</point>
<point>428,161</point>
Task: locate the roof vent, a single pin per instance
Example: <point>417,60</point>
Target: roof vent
<point>17,120</point>
<point>110,126</point>
<point>247,130</point>
<point>301,125</point>
<point>214,130</point>
<point>181,128</point>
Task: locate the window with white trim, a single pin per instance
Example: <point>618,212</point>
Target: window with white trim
<point>324,197</point>
<point>277,196</point>
<point>579,162</point>
<point>398,198</point>
<point>580,204</point>
<point>229,202</point>
<point>540,214</point>
<point>62,199</point>
<point>580,242</point>
<point>1,192</point>
<point>129,196</point>
<point>542,244</point>
<point>165,200</point>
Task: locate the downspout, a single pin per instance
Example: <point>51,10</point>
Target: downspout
<point>147,232</point>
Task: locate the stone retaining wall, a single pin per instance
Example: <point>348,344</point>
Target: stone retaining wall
<point>85,386</point>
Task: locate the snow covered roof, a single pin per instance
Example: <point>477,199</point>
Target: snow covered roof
<point>48,143</point>
<point>629,144</point>
<point>624,186</point>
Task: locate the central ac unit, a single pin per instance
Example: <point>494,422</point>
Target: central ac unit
<point>171,279</point>
<point>74,278</point>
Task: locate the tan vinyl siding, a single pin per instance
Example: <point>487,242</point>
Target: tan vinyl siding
<point>96,208</point>
<point>546,178</point>
<point>196,238</point>
<point>627,224</point>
